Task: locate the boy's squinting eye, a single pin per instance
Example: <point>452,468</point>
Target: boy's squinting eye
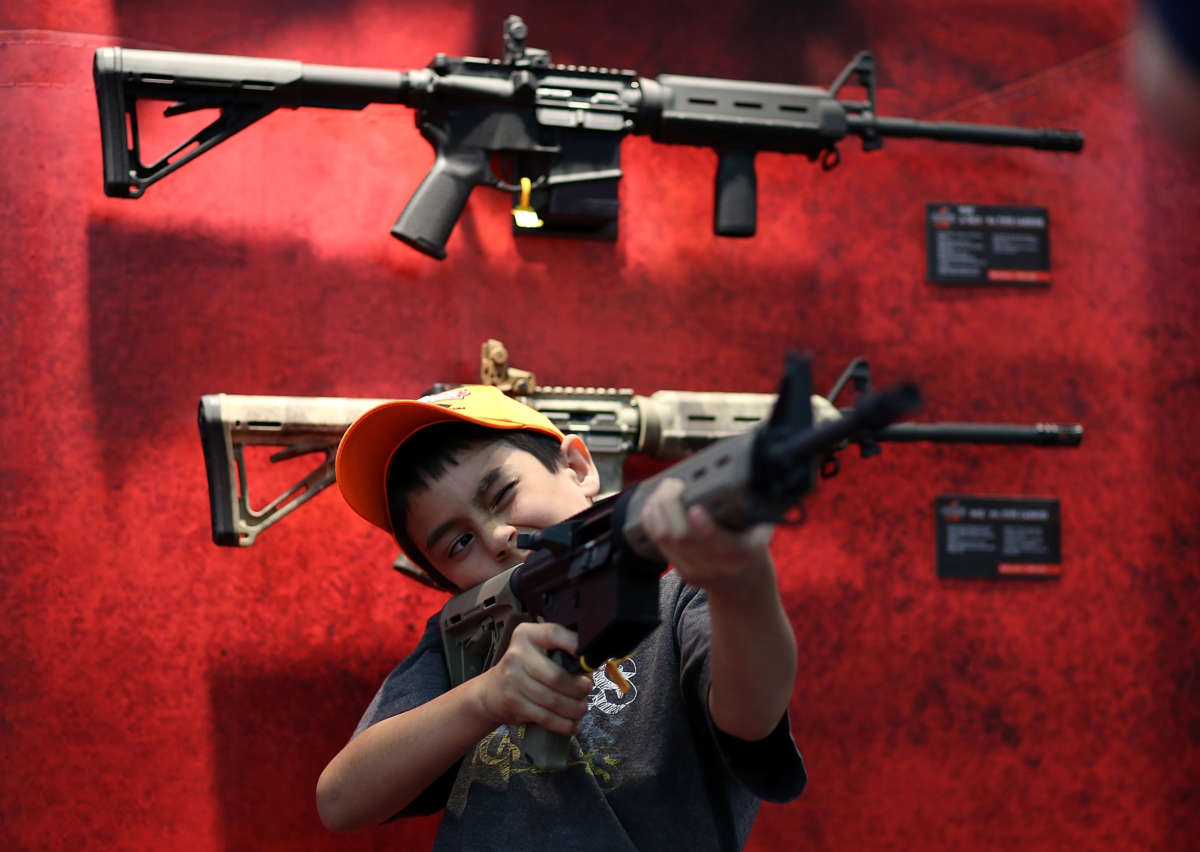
<point>504,494</point>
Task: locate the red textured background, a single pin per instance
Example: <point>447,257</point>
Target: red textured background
<point>159,692</point>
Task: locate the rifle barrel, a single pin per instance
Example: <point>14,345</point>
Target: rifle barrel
<point>1044,139</point>
<point>1039,434</point>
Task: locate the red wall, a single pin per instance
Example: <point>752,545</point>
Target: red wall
<point>159,692</point>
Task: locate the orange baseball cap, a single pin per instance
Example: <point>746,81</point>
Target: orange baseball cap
<point>368,445</point>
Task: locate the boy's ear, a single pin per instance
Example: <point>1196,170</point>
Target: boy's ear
<point>578,460</point>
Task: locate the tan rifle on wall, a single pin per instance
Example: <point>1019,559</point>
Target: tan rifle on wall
<point>667,425</point>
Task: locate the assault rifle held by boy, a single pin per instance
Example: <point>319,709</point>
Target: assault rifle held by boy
<point>597,572</point>
<point>556,130</point>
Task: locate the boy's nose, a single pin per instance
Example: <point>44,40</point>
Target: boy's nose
<point>503,540</point>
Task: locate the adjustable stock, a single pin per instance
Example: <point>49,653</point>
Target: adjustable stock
<point>243,89</point>
<point>299,426</point>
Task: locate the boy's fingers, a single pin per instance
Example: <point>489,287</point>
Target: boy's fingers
<point>547,636</point>
<point>532,643</point>
<point>669,489</point>
<point>553,702</point>
<point>544,717</point>
<point>761,535</point>
<point>751,538</point>
<point>549,673</point>
<point>663,513</point>
<point>701,521</point>
<point>540,706</point>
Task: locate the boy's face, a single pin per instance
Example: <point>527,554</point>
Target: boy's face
<point>466,522</point>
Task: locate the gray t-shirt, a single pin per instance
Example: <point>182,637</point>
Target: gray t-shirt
<point>648,771</point>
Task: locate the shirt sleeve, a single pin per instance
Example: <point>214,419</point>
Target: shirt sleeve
<point>419,678</point>
<point>771,768</point>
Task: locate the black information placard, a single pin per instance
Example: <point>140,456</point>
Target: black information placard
<point>976,244</point>
<point>992,537</point>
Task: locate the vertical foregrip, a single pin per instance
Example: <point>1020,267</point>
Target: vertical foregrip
<point>735,205</point>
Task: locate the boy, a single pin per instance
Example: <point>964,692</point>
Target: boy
<point>680,760</point>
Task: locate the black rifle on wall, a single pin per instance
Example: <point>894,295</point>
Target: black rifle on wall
<point>664,426</point>
<point>555,130</point>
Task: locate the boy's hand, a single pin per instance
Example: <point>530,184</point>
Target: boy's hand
<point>752,656</point>
<point>526,686</point>
<point>705,554</point>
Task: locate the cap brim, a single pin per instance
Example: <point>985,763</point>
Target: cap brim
<point>368,445</point>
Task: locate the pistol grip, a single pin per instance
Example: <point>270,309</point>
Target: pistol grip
<point>544,749</point>
<point>432,212</point>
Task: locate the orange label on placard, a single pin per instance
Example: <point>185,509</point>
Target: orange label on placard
<point>1025,568</point>
<point>1023,275</point>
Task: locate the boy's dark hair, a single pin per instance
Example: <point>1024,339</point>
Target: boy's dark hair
<point>430,452</point>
